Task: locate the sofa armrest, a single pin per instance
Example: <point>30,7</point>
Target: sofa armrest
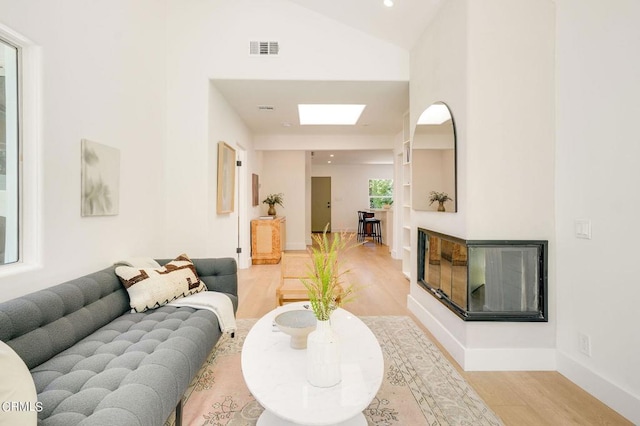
<point>219,274</point>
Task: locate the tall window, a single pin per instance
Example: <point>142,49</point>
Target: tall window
<point>380,192</point>
<point>9,135</point>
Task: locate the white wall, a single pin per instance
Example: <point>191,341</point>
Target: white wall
<point>95,85</point>
<point>286,172</point>
<point>350,190</point>
<point>220,238</point>
<point>439,73</point>
<point>327,142</point>
<point>511,119</point>
<point>209,40</point>
<point>505,141</point>
<point>596,177</point>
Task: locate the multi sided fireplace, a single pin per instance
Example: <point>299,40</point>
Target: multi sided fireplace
<point>486,280</point>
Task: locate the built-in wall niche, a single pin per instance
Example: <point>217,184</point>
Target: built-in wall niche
<point>488,280</point>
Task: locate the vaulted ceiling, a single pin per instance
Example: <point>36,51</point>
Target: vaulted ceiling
<point>400,25</point>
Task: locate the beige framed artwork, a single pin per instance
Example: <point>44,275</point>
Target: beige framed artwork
<point>255,188</point>
<point>226,178</point>
<point>100,179</point>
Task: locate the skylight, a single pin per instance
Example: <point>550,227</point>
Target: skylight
<point>329,114</point>
<point>435,114</point>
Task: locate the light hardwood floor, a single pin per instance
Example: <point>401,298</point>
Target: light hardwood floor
<point>519,398</point>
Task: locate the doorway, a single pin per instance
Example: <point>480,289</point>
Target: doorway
<point>320,203</point>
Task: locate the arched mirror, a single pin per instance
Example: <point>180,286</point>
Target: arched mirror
<point>433,176</point>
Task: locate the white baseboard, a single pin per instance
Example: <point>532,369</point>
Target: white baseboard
<point>510,359</point>
<point>531,359</point>
<point>244,262</point>
<point>296,246</point>
<point>445,338</point>
<point>614,396</point>
<point>484,359</point>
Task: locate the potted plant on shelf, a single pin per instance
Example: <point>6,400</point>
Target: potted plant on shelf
<point>326,294</point>
<point>440,197</point>
<point>272,200</point>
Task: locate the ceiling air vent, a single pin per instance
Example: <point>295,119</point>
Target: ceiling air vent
<point>264,48</point>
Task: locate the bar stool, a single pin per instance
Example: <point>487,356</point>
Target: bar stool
<point>361,225</point>
<point>371,228</point>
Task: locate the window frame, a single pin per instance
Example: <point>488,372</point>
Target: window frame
<point>29,148</point>
<point>12,172</point>
<point>371,197</point>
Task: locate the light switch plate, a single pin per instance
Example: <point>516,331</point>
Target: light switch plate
<point>583,228</point>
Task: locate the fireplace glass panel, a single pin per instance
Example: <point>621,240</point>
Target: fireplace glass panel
<point>504,279</point>
<point>485,280</point>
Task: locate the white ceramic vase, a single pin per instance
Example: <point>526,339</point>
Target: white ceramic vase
<point>323,356</point>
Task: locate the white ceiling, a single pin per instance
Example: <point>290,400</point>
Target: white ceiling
<point>401,24</point>
<point>386,102</point>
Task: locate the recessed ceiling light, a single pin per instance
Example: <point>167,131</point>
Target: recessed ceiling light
<point>388,3</point>
<point>329,114</point>
<point>331,155</point>
<point>435,114</point>
<point>329,161</point>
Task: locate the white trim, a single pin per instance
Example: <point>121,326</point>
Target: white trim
<point>483,359</point>
<point>244,238</point>
<point>619,399</point>
<point>295,246</point>
<point>444,337</point>
<point>31,147</point>
<point>510,359</point>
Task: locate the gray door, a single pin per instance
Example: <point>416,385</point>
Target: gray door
<point>320,203</point>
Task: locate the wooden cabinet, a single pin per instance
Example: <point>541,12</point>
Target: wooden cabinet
<point>267,240</point>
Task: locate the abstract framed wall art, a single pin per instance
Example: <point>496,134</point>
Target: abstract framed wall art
<point>100,180</point>
<point>226,178</point>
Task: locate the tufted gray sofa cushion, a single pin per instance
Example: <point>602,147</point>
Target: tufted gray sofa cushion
<point>95,363</point>
<point>133,370</point>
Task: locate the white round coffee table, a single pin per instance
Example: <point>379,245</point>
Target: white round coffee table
<point>276,374</point>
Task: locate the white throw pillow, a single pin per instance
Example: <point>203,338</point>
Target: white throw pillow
<point>150,288</point>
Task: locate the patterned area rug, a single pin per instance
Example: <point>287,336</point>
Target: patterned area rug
<point>420,386</point>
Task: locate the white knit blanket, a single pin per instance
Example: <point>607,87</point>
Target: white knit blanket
<point>138,262</point>
<point>216,302</point>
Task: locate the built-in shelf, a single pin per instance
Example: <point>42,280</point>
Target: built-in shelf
<point>406,196</point>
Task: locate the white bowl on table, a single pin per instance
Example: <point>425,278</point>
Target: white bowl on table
<point>297,324</point>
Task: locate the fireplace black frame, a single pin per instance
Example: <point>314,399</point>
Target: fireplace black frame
<point>541,246</point>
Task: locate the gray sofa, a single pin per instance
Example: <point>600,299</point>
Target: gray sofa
<point>95,363</point>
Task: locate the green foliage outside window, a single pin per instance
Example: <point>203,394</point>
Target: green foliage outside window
<point>380,192</point>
